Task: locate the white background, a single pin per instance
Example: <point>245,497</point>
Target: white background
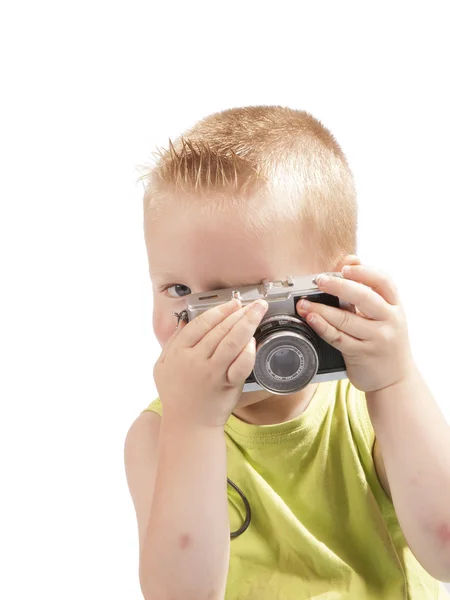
<point>89,89</point>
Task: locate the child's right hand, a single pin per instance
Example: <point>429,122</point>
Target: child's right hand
<point>203,367</point>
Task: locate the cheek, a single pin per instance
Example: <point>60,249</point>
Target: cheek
<point>164,324</point>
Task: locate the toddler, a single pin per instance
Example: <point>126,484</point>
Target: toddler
<point>260,496</point>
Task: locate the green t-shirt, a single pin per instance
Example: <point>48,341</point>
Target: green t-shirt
<point>322,527</point>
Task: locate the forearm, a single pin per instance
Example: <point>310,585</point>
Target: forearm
<point>414,440</point>
<point>186,549</point>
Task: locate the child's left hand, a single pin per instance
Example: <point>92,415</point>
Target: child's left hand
<point>373,341</point>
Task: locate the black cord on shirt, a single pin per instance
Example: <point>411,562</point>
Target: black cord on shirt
<point>248,512</point>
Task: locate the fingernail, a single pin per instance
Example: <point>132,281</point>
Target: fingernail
<point>322,279</point>
<point>305,304</point>
<point>260,306</point>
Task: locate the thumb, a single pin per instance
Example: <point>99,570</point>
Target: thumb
<point>171,340</point>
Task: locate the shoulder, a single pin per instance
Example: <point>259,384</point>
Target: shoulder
<point>141,443</point>
<point>142,435</point>
<point>146,421</point>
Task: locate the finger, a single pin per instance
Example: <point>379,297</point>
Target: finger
<point>239,336</point>
<point>355,292</point>
<point>378,280</point>
<point>348,345</point>
<point>209,343</point>
<point>203,323</point>
<point>170,341</point>
<point>350,259</point>
<point>241,368</point>
<point>344,320</point>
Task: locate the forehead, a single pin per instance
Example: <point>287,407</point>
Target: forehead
<point>219,250</point>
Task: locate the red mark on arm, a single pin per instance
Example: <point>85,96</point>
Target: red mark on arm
<point>443,533</point>
<point>185,540</point>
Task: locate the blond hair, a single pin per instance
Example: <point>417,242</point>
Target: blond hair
<point>275,165</point>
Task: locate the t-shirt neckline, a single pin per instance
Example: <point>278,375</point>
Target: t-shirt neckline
<point>306,420</point>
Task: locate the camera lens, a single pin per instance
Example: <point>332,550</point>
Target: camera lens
<point>284,362</point>
<point>286,354</point>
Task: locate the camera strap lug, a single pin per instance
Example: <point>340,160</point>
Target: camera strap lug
<point>181,316</point>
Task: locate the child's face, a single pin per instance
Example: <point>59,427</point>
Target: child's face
<point>190,253</point>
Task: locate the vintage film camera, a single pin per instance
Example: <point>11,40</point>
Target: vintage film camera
<point>289,354</point>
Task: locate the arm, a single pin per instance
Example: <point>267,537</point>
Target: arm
<point>412,433</point>
<point>199,376</point>
<point>185,552</point>
<point>414,440</point>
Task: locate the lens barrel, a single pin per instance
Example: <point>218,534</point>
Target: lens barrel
<point>286,354</point>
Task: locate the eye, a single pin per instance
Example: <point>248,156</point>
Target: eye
<point>178,290</point>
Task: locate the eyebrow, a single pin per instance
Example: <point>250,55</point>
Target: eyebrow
<point>162,275</point>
